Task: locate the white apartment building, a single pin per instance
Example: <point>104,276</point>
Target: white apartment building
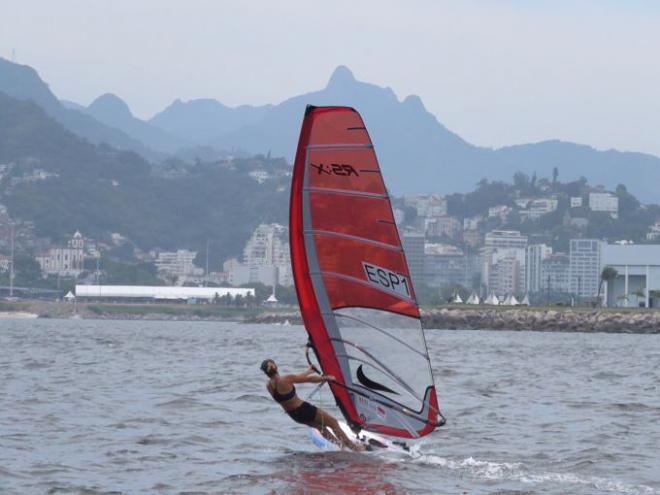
<point>584,269</point>
<point>534,256</point>
<point>266,258</point>
<point>604,201</point>
<point>539,207</point>
<point>500,244</point>
<point>177,263</point>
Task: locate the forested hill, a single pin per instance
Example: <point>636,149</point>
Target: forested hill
<point>23,83</point>
<point>63,184</point>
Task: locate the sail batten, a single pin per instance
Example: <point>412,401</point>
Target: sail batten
<point>352,279</point>
<point>366,240</point>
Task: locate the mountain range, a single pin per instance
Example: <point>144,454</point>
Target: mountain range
<point>60,183</point>
<point>417,152</point>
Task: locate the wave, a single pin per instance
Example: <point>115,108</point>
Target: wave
<point>516,471</point>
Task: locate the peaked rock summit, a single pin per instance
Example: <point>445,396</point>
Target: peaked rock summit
<point>341,77</point>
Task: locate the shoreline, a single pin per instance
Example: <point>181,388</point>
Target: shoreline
<point>547,319</point>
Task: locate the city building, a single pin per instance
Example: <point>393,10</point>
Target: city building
<point>430,205</point>
<point>444,226</point>
<point>472,223</point>
<point>266,258</point>
<point>445,265</point>
<point>534,255</point>
<point>654,231</point>
<point>604,201</point>
<point>177,263</point>
<point>399,216</point>
<point>413,246</point>
<point>522,203</point>
<point>539,207</point>
<point>584,267</point>
<point>500,244</point>
<point>504,275</point>
<point>472,237</point>
<point>64,261</point>
<point>637,282</point>
<point>554,275</point>
<point>260,176</point>
<point>501,211</point>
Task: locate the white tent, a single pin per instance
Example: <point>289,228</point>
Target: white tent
<point>492,300</point>
<point>457,299</point>
<point>525,301</point>
<point>510,300</point>
<point>473,299</point>
<point>271,299</point>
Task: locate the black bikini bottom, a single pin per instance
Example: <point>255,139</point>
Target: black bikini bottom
<point>304,413</point>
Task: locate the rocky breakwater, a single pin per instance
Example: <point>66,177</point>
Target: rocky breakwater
<point>539,319</point>
<point>571,320</point>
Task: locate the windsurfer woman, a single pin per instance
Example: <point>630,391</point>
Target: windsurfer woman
<point>283,390</point>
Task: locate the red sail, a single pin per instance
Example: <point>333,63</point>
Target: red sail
<point>352,280</point>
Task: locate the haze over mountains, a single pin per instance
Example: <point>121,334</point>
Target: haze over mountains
<point>417,152</point>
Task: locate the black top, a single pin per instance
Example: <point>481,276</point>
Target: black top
<point>283,397</point>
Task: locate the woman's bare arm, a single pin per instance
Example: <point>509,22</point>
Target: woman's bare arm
<point>305,378</point>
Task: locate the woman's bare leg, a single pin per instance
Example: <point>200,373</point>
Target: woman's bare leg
<point>324,420</point>
<point>327,434</point>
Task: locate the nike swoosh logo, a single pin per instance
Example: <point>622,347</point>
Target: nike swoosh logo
<point>367,382</point>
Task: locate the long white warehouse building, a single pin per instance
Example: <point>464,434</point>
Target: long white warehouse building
<point>157,292</point>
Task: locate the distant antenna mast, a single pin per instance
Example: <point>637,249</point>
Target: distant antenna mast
<point>11,267</point>
<point>13,55</point>
<point>206,271</point>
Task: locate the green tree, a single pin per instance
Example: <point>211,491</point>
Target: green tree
<point>607,275</point>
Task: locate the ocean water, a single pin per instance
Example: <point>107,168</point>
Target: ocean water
<point>127,407</point>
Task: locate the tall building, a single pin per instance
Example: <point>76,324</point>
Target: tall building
<point>504,277</point>
<point>534,256</point>
<point>413,246</point>
<point>555,273</point>
<point>584,267</point>
<point>500,244</point>
<point>267,252</point>
<point>445,265</point>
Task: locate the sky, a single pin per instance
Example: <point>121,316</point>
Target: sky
<point>496,72</point>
